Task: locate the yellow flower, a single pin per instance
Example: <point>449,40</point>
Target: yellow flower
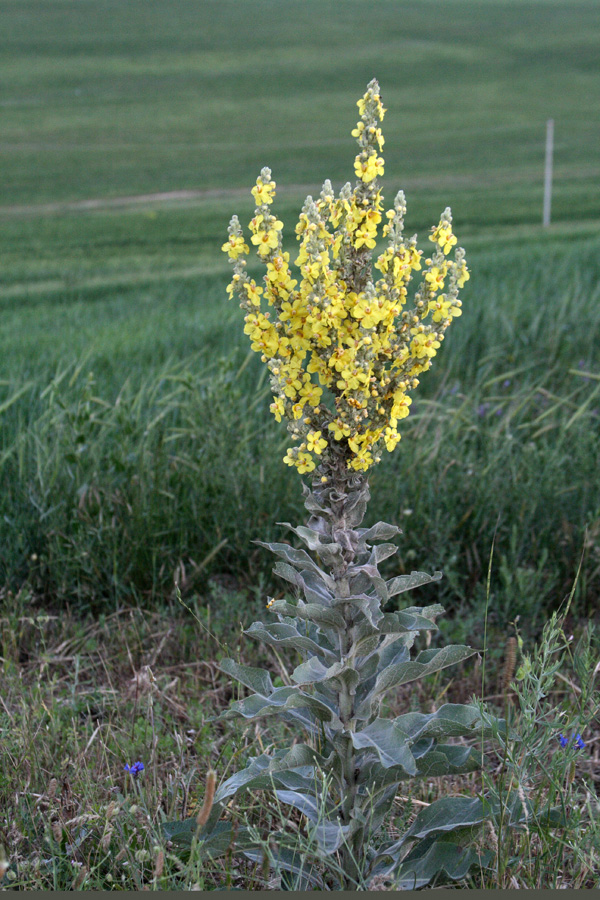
<point>277,407</point>
<point>340,430</point>
<point>290,458</point>
<point>368,169</point>
<point>310,393</point>
<point>304,463</point>
<point>369,310</point>
<point>442,308</point>
<point>443,236</point>
<point>424,344</point>
<point>463,276</point>
<point>263,193</point>
<point>315,442</point>
<point>435,277</point>
<point>253,292</point>
<point>234,284</point>
<point>401,403</point>
<point>267,240</point>
<point>363,238</point>
<point>352,380</point>
<point>235,246</point>
<point>291,386</point>
<point>391,438</point>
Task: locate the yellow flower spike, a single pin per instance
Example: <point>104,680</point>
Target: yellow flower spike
<point>340,345</point>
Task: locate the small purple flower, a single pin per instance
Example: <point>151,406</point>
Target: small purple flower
<point>135,769</point>
<point>482,409</point>
<point>576,738</point>
<point>506,383</point>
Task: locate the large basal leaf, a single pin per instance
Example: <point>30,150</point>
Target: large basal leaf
<point>443,816</point>
<point>389,742</point>
<point>427,662</point>
<point>446,815</point>
<point>282,634</point>
<point>257,680</point>
<point>439,858</point>
<point>448,759</point>
<point>450,720</point>
<point>257,705</point>
<point>431,761</point>
<point>407,582</point>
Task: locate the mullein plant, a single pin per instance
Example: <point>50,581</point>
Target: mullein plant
<point>345,349</point>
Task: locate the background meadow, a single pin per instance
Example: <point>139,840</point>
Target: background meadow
<point>136,446</point>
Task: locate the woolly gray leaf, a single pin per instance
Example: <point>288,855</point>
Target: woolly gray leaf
<point>427,662</point>
<point>403,621</point>
<point>407,582</point>
<point>285,571</point>
<point>315,588</point>
<point>389,742</point>
<point>450,720</point>
<point>298,558</point>
<point>381,552</point>
<point>381,531</point>
<point>423,864</point>
<point>257,680</point>
<point>281,634</point>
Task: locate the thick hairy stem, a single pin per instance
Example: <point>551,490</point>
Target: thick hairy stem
<point>343,495</point>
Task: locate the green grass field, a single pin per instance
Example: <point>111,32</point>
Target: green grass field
<point>136,446</point>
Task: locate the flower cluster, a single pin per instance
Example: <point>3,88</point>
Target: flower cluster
<point>135,769</point>
<point>343,350</point>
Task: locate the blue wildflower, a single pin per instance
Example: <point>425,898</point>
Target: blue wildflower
<point>576,738</point>
<point>135,769</point>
